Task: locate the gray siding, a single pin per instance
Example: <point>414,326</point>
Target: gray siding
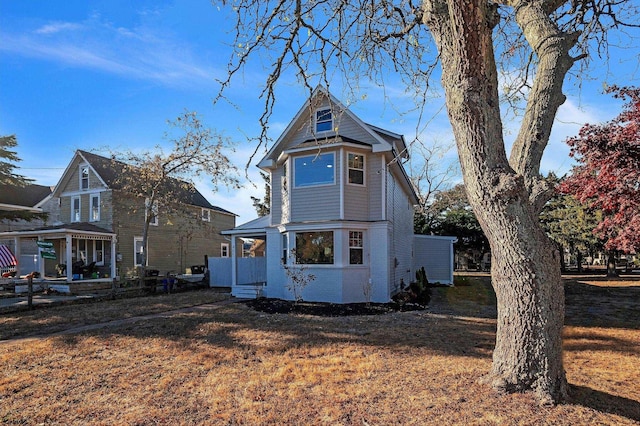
<point>356,198</point>
<point>316,202</point>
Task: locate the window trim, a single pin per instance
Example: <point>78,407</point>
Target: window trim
<point>154,210</point>
<point>76,218</point>
<point>363,170</point>
<point>206,215</point>
<point>356,247</point>
<point>332,255</point>
<point>84,167</point>
<point>96,251</point>
<point>324,111</point>
<point>224,247</point>
<point>91,209</point>
<point>135,253</point>
<point>314,157</point>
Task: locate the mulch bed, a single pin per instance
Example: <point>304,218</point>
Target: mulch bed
<point>278,306</point>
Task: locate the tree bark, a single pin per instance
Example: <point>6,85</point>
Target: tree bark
<point>525,267</point>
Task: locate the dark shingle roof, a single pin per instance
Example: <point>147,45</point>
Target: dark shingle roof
<point>27,196</point>
<point>109,169</point>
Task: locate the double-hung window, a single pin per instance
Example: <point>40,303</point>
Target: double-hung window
<point>138,249</point>
<point>95,208</point>
<point>356,248</point>
<point>206,215</point>
<point>224,249</point>
<point>314,247</point>
<point>75,209</point>
<point>324,120</point>
<point>314,170</point>
<point>84,178</point>
<point>151,210</point>
<point>356,168</point>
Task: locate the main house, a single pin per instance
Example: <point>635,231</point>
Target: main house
<point>341,212</point>
<point>98,225</point>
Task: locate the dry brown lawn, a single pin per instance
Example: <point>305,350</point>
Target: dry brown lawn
<point>227,364</point>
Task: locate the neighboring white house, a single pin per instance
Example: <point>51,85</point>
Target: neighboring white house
<point>341,209</point>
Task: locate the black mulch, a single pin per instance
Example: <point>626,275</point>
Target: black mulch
<point>278,306</point>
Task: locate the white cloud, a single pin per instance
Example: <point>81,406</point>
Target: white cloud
<point>137,53</point>
<point>57,27</point>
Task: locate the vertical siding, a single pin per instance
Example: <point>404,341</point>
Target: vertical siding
<point>435,254</point>
<point>400,214</point>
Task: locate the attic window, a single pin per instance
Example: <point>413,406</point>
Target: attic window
<point>206,215</point>
<point>324,120</point>
<point>84,177</point>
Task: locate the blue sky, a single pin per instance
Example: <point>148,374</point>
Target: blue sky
<point>84,74</point>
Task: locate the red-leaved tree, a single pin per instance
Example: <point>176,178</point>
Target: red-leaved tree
<point>607,176</point>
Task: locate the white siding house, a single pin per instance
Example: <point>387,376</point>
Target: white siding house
<point>342,210</point>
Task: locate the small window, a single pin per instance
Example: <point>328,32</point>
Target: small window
<point>75,209</point>
<point>224,249</point>
<point>356,248</point>
<point>314,170</point>
<point>356,169</point>
<point>84,177</point>
<point>314,247</point>
<point>98,256</point>
<point>285,248</point>
<point>206,215</point>
<point>138,250</point>
<point>95,207</point>
<point>153,211</point>
<point>324,120</point>
<point>82,250</point>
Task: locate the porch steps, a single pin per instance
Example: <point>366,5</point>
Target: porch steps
<point>247,291</point>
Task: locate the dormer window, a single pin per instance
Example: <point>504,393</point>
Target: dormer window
<point>324,120</point>
<point>84,177</point>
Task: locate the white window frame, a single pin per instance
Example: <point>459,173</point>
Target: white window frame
<point>363,169</point>
<point>96,251</point>
<point>224,250</point>
<point>317,122</point>
<point>137,240</point>
<point>330,251</point>
<point>84,178</point>
<point>206,215</point>
<point>356,243</point>
<point>154,211</point>
<point>81,249</point>
<point>76,214</point>
<point>94,211</point>
<point>313,157</point>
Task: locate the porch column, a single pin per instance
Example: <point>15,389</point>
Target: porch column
<point>234,262</point>
<point>113,258</point>
<point>68,240</point>
<point>40,259</point>
<point>16,252</point>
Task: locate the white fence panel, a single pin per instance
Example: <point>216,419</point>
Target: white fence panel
<point>252,270</point>
<point>219,272</point>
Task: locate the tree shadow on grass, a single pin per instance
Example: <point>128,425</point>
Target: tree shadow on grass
<point>604,402</point>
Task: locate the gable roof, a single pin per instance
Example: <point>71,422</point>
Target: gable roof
<point>108,170</point>
<point>23,197</point>
<point>383,140</point>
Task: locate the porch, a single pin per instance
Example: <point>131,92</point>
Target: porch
<point>68,253</point>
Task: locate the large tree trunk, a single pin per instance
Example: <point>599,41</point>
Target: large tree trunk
<point>507,195</point>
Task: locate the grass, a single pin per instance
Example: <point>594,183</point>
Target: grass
<point>228,364</point>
